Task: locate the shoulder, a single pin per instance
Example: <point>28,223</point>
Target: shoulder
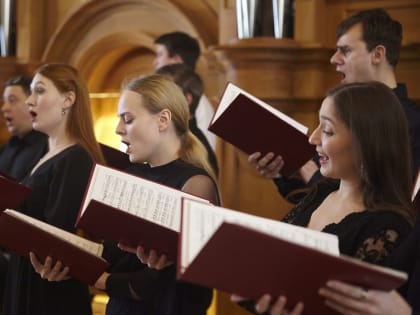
<point>375,222</point>
<point>411,108</point>
<point>188,169</point>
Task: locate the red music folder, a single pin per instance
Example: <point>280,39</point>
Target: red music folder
<point>125,208</point>
<point>115,158</point>
<point>12,193</point>
<point>254,126</point>
<point>249,257</point>
<point>23,234</point>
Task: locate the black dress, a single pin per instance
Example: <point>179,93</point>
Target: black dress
<point>158,290</point>
<point>407,258</point>
<point>370,235</point>
<point>17,157</point>
<point>58,188</point>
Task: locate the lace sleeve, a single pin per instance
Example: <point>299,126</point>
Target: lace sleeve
<point>376,248</point>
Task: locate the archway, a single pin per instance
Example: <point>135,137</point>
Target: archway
<point>109,40</point>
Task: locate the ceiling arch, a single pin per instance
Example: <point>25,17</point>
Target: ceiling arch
<point>101,35</point>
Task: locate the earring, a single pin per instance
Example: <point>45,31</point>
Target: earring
<point>63,111</point>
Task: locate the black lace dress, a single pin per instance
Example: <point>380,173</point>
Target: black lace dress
<point>369,235</point>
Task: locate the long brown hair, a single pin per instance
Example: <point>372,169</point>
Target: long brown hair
<point>381,142</point>
<point>79,123</point>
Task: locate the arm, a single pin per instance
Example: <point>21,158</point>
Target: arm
<point>270,167</point>
<point>352,300</point>
<point>264,305</point>
<point>47,271</point>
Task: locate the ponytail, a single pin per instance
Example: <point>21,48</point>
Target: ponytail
<point>194,152</point>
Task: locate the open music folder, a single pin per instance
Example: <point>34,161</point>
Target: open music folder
<point>252,125</point>
<point>250,256</point>
<point>12,193</point>
<point>23,234</point>
<point>125,208</point>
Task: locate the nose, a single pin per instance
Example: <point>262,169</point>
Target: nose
<point>156,62</point>
<point>119,130</point>
<point>29,101</point>
<point>335,58</point>
<point>5,106</point>
<point>315,138</point>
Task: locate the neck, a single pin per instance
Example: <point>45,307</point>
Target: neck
<point>167,152</point>
<point>350,191</point>
<point>57,144</point>
<point>387,76</point>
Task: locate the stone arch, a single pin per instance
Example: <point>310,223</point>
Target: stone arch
<point>99,29</point>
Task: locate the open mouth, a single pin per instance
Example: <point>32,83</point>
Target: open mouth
<point>126,145</point>
<point>323,158</point>
<point>342,75</point>
<point>33,114</point>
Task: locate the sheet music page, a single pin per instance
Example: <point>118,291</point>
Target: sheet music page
<point>232,91</point>
<point>137,196</point>
<point>200,221</point>
<point>85,244</point>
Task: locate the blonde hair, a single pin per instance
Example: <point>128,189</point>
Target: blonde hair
<point>79,123</point>
<point>160,92</point>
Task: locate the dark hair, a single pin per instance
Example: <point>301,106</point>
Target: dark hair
<point>182,44</point>
<point>23,81</point>
<point>381,142</point>
<point>79,123</point>
<point>378,28</point>
<point>186,78</point>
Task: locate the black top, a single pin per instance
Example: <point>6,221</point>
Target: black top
<point>58,189</point>
<point>210,153</point>
<point>407,258</point>
<point>158,290</point>
<point>369,235</point>
<point>288,185</point>
<point>19,155</point>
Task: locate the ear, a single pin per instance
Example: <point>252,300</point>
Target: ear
<point>189,98</point>
<point>69,99</point>
<point>165,118</point>
<point>378,54</point>
<point>177,59</point>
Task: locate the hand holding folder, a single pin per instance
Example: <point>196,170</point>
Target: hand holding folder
<point>24,234</point>
<point>254,126</point>
<point>251,256</point>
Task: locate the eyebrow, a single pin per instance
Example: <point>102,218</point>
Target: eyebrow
<point>37,83</point>
<point>341,47</point>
